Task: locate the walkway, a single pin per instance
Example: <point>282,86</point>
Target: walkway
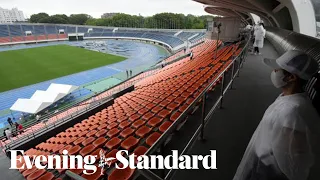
<point>231,128</point>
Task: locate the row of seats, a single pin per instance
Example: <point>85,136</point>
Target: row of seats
<point>137,119</point>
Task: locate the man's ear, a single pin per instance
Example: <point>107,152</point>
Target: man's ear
<point>291,78</point>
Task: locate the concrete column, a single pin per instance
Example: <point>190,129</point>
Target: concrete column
<point>302,15</point>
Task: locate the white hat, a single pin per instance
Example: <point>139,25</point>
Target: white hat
<point>295,62</point>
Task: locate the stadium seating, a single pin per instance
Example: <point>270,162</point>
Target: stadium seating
<point>137,119</point>
<point>39,30</point>
<point>186,35</point>
<point>4,34</point>
<point>50,32</point>
<point>51,29</point>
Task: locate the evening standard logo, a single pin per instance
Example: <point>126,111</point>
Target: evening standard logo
<point>123,159</point>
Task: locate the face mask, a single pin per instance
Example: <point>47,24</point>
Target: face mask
<point>277,79</point>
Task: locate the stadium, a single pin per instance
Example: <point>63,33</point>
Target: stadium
<point>85,89</point>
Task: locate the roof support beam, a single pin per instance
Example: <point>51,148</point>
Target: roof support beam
<point>278,8</point>
<point>255,3</point>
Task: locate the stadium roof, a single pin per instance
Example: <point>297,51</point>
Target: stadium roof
<point>42,99</point>
<point>29,106</point>
<point>61,88</point>
<point>45,96</point>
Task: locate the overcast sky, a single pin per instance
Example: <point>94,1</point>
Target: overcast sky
<point>96,8</point>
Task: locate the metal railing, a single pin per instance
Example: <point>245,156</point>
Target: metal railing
<point>226,84</point>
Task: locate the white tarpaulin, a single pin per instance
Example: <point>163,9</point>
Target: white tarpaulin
<point>42,99</point>
<point>45,96</point>
<point>29,106</point>
<point>61,88</point>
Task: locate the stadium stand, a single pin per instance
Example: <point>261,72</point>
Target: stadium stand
<point>4,34</point>
<point>16,33</point>
<point>44,32</point>
<point>137,119</point>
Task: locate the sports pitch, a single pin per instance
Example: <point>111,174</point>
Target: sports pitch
<point>24,67</point>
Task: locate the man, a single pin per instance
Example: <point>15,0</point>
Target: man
<point>281,147</point>
<point>191,55</point>
<point>259,35</point>
<point>10,122</point>
<point>8,134</point>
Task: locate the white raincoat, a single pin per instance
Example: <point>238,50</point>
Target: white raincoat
<point>281,146</point>
<point>259,35</point>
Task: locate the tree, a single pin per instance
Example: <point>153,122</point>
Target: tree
<point>161,21</point>
<point>64,18</point>
<point>79,19</point>
<point>53,20</point>
<point>35,18</point>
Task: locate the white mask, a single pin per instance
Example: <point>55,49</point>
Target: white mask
<point>277,79</point>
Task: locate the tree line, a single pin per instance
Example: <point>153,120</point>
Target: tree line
<point>160,21</point>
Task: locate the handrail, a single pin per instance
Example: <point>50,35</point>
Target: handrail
<point>148,173</point>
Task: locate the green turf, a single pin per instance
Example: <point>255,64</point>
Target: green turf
<point>20,68</point>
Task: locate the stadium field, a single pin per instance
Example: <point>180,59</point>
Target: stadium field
<point>24,67</point>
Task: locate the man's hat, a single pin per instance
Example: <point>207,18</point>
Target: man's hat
<point>295,62</point>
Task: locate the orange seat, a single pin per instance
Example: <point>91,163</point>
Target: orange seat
<point>165,126</point>
<point>96,153</point>
<point>70,140</point>
<point>155,121</point>
<point>79,141</point>
<point>134,117</point>
<point>124,124</point>
<point>91,133</point>
<point>83,133</point>
<point>93,127</point>
<point>36,174</point>
<point>130,143</point>
<point>138,123</point>
<point>87,150</point>
<point>102,126</point>
<point>112,125</point>
<point>68,147</point>
<point>46,176</point>
<point>183,108</point>
<point>123,118</point>
<point>164,103</point>
<point>153,138</point>
<point>102,132</point>
<point>123,174</point>
<point>148,116</point>
<point>113,143</point>
<point>74,150</point>
<point>142,111</point>
<point>99,142</point>
<point>175,116</point>
<point>143,131</point>
<point>141,150</point>
<point>113,132</point>
<point>156,109</point>
<point>150,105</point>
<point>29,171</point>
<point>172,106</point>
<point>112,154</point>
<point>164,113</point>
<point>88,141</point>
<point>127,132</point>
